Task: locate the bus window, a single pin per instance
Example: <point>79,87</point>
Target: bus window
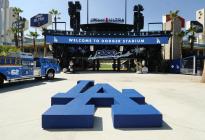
<point>8,60</point>
<point>13,61</point>
<point>18,61</point>
<point>27,63</point>
<point>2,60</point>
<point>38,64</point>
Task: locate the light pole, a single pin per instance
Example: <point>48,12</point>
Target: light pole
<point>125,11</point>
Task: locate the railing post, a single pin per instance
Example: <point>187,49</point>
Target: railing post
<point>194,65</point>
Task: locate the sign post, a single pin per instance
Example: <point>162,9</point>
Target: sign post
<point>41,21</point>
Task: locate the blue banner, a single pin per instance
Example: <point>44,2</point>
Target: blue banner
<point>107,41</point>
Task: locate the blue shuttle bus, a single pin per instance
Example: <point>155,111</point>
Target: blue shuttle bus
<point>17,66</point>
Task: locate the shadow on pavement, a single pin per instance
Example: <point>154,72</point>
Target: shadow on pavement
<point>101,72</point>
<point>98,126</point>
<point>165,126</point>
<point>17,85</point>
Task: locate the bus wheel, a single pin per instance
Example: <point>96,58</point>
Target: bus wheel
<point>50,75</point>
<point>1,80</point>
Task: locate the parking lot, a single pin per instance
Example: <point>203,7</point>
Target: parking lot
<point>180,98</point>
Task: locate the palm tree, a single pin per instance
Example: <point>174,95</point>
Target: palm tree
<point>192,38</point>
<point>17,11</point>
<point>16,15</point>
<point>45,47</point>
<point>34,36</point>
<point>173,16</point>
<point>15,31</point>
<point>55,14</point>
<point>23,22</point>
<point>181,36</point>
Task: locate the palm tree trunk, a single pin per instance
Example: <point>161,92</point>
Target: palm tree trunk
<point>16,40</point>
<point>55,20</point>
<point>192,43</point>
<point>203,75</point>
<point>18,16</point>
<point>171,48</point>
<point>45,48</point>
<point>181,55</point>
<point>192,47</point>
<point>34,47</point>
<point>22,49</point>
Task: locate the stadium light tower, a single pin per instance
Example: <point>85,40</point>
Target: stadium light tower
<point>138,18</point>
<point>74,13</point>
<point>87,11</point>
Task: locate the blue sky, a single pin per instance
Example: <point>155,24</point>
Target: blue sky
<point>154,9</point>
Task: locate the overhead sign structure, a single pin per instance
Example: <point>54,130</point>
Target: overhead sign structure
<point>76,108</point>
<point>107,41</point>
<point>198,26</point>
<point>41,21</point>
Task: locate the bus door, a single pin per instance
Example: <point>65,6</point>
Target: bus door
<point>37,67</point>
<point>27,67</point>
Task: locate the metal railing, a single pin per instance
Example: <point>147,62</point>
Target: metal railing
<point>192,65</point>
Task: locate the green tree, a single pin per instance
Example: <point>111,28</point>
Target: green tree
<point>5,50</point>
<point>191,32</point>
<point>14,31</point>
<point>173,15</point>
<point>34,36</point>
<point>44,44</point>
<point>192,38</point>
<point>181,36</point>
<point>55,13</point>
<point>16,14</point>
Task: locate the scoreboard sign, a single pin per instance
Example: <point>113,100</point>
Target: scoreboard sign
<point>197,25</point>
<point>41,20</point>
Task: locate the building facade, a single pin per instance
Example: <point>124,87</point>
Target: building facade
<point>172,50</point>
<point>200,17</point>
<point>6,21</point>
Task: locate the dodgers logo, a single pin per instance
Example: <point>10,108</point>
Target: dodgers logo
<point>158,41</point>
<point>76,108</point>
<point>15,72</point>
<point>55,39</point>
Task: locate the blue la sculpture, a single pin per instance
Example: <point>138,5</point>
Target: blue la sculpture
<point>76,108</point>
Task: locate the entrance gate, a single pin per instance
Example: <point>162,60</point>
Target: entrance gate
<point>125,64</point>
